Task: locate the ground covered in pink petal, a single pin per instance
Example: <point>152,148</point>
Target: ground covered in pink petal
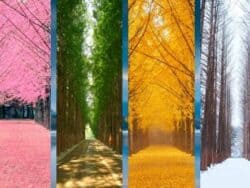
<point>24,155</point>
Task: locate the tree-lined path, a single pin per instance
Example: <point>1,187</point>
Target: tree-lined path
<point>161,94</point>
<point>89,93</point>
<point>225,65</point>
<point>24,93</point>
<point>24,154</point>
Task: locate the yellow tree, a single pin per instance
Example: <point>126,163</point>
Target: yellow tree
<point>161,92</point>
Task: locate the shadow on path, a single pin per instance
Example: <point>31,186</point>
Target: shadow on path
<point>91,164</point>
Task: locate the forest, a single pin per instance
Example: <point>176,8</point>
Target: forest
<point>89,72</point>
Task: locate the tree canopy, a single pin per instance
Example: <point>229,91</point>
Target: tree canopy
<point>24,50</point>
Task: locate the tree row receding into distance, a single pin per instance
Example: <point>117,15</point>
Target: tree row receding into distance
<point>75,110</point>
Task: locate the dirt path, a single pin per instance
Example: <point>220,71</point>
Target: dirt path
<point>163,167</point>
<point>91,164</point>
<point>24,155</point>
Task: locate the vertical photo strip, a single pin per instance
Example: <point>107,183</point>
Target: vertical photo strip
<point>161,94</point>
<point>25,93</point>
<point>89,94</point>
<point>225,66</point>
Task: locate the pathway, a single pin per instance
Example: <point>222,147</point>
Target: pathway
<point>161,166</point>
<point>24,155</point>
<point>91,164</point>
<point>232,173</point>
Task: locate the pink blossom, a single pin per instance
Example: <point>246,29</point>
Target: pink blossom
<point>24,50</point>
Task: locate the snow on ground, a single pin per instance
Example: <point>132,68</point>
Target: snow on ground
<point>232,173</point>
<point>24,155</point>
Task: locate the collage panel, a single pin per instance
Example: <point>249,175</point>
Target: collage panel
<point>89,95</point>
<point>161,94</point>
<point>225,64</point>
<point>25,93</point>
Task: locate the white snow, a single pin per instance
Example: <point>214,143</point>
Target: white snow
<point>232,173</point>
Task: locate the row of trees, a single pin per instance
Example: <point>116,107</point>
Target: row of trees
<point>16,110</point>
<point>81,62</point>
<point>107,73</point>
<point>72,69</point>
<point>215,84</point>
<point>161,74</point>
<point>25,56</point>
<point>182,136</point>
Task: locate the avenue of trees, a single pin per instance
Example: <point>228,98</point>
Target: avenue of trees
<point>215,83</point>
<point>25,59</point>
<point>220,43</point>
<point>75,90</point>
<point>161,74</point>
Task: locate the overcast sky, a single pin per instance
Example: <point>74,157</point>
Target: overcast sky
<point>236,14</point>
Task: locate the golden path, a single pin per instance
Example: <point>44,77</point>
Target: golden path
<point>161,166</point>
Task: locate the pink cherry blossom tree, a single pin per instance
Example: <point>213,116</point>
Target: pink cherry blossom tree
<point>24,50</point>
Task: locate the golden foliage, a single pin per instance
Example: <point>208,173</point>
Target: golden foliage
<point>161,62</point>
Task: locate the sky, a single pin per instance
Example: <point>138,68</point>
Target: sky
<point>90,43</point>
<point>236,14</point>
